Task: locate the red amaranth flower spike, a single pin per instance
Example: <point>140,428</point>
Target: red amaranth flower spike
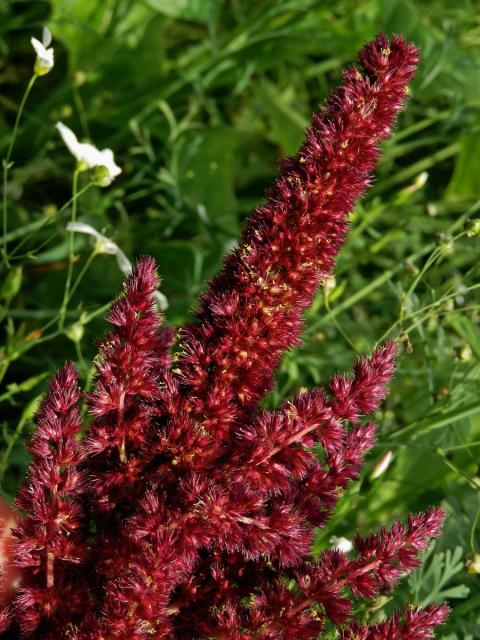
<point>130,361</point>
<point>413,624</point>
<point>188,510</point>
<point>49,542</point>
<point>253,311</point>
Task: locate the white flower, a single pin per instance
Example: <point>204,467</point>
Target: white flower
<point>419,182</point>
<point>342,544</point>
<point>44,62</point>
<point>102,244</point>
<point>89,157</point>
<point>382,465</point>
<point>105,245</point>
<point>162,300</point>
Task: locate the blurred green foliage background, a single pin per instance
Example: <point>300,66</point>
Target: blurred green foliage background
<point>199,99</point>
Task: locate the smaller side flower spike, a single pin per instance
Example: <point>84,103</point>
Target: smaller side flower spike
<point>49,540</point>
<point>8,573</point>
<point>363,394</point>
<point>412,624</point>
<point>380,561</point>
<point>126,388</point>
<point>327,588</point>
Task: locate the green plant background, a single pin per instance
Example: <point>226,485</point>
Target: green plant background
<point>199,99</point>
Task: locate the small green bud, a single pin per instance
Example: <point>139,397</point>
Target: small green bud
<point>12,283</point>
<point>472,227</point>
<point>40,68</point>
<point>445,242</point>
<point>464,353</point>
<point>101,177</point>
<point>66,111</point>
<point>50,210</point>
<point>449,304</point>
<point>79,78</point>
<point>75,332</point>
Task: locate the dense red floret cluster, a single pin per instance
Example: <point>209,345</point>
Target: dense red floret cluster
<point>186,511</point>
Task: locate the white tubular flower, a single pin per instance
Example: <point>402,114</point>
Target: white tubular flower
<point>342,544</point>
<point>382,465</point>
<point>44,61</point>
<point>102,244</point>
<point>162,300</point>
<point>89,157</point>
<point>105,245</point>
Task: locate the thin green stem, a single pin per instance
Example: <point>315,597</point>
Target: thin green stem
<point>460,447</point>
<point>11,443</point>
<point>82,273</point>
<point>4,368</point>
<point>337,324</point>
<point>422,319</point>
<point>422,311</point>
<point>7,165</point>
<point>473,545</point>
<point>438,421</point>
<point>417,167</point>
<point>387,275</point>
<point>29,229</point>
<point>71,253</point>
<point>434,256</point>
<point>474,483</point>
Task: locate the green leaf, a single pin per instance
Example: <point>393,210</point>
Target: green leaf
<point>285,117</point>
<point>467,329</point>
<point>206,171</point>
<point>28,384</point>
<point>31,408</point>
<point>80,25</point>
<point>464,184</point>
<point>430,583</point>
<point>197,10</point>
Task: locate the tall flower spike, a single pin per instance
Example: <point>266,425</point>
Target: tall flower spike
<point>288,247</point>
<point>252,312</point>
<point>49,540</point>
